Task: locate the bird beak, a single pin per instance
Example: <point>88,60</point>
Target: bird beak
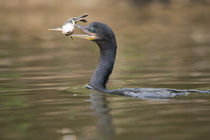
<point>89,35</point>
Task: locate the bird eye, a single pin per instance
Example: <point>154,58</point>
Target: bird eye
<point>92,30</point>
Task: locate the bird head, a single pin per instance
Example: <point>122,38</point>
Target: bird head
<point>96,32</point>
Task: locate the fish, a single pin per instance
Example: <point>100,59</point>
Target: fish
<point>68,26</point>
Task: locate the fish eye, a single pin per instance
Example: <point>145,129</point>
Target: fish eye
<point>92,30</point>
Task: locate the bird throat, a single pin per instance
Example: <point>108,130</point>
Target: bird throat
<point>107,57</point>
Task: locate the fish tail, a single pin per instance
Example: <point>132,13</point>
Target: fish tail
<point>81,18</point>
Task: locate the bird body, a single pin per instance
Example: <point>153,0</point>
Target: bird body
<point>104,37</point>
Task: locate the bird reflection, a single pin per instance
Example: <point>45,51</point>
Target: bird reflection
<point>99,105</point>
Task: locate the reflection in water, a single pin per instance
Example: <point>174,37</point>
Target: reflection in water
<point>67,134</point>
<point>69,137</point>
<point>104,125</point>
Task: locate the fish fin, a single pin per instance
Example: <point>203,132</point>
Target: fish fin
<point>56,29</point>
<point>69,20</point>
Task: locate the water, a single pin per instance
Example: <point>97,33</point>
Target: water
<point>43,73</point>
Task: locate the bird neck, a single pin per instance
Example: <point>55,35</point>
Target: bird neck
<point>106,62</point>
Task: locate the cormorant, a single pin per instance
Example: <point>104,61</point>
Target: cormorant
<point>104,37</point>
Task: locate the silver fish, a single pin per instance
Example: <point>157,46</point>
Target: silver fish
<point>68,26</point>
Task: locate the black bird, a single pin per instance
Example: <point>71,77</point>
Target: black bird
<point>104,37</point>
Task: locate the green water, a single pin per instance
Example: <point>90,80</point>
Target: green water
<point>43,73</point>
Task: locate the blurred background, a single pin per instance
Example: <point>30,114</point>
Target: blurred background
<point>161,43</point>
